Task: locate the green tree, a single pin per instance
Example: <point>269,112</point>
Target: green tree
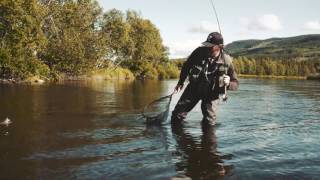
<point>134,42</point>
<point>76,44</point>
<point>116,32</point>
<point>239,65</point>
<point>281,69</point>
<point>260,68</point>
<point>253,66</point>
<point>246,65</point>
<point>145,40</point>
<point>21,39</point>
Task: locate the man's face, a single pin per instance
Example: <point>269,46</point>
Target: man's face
<point>215,50</point>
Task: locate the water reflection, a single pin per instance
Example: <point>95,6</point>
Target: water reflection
<point>52,119</point>
<point>199,160</point>
<point>93,130</point>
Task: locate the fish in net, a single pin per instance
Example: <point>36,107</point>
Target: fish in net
<point>157,111</point>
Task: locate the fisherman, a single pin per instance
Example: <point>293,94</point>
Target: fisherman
<point>210,72</point>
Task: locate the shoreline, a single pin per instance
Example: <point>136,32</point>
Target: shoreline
<point>271,77</point>
<point>103,76</point>
<point>313,77</point>
<point>95,75</point>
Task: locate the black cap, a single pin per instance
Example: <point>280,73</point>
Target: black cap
<point>214,38</point>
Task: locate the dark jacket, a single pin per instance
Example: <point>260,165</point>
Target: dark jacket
<point>196,64</point>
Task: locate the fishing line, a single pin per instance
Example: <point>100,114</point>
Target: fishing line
<point>225,96</point>
<point>216,14</point>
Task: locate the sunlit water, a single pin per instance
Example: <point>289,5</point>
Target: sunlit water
<point>269,129</point>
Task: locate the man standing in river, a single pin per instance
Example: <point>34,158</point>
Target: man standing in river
<point>210,72</point>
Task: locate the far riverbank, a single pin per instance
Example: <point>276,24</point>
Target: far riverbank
<point>310,77</point>
<point>270,76</point>
<point>125,74</point>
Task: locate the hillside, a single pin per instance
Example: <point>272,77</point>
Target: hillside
<point>304,47</point>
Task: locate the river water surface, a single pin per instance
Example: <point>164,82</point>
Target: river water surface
<point>268,129</point>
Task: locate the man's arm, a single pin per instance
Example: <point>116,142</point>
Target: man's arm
<point>187,66</point>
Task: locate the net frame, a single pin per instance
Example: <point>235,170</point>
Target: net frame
<point>157,116</point>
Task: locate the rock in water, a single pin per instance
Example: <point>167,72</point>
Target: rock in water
<point>6,122</point>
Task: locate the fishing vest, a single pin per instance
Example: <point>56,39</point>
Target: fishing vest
<point>212,74</point>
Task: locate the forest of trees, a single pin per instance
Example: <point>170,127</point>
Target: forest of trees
<point>51,38</point>
<point>276,67</point>
<point>48,38</point>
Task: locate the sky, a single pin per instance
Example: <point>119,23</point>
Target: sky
<point>184,24</point>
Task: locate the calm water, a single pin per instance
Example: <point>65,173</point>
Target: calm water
<point>269,129</point>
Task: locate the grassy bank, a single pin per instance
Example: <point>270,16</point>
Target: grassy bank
<point>139,70</point>
<point>270,76</point>
<point>100,74</point>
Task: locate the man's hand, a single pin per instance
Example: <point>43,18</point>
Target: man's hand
<point>178,87</point>
<point>226,80</point>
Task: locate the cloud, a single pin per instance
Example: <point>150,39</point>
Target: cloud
<point>205,27</point>
<point>182,49</point>
<point>266,22</point>
<point>312,25</point>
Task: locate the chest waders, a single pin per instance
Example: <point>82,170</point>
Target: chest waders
<point>207,77</point>
<point>205,84</point>
<point>217,74</point>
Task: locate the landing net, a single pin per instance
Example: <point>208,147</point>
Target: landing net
<point>157,110</point>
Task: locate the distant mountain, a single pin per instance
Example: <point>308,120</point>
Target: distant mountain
<point>304,47</point>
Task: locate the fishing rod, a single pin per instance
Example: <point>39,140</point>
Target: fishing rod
<point>225,95</point>
<point>216,15</point>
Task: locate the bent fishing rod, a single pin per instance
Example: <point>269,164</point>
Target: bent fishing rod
<point>225,95</point>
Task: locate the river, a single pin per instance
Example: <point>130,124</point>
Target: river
<point>268,129</point>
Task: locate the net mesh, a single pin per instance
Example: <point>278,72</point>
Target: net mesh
<point>157,110</point>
